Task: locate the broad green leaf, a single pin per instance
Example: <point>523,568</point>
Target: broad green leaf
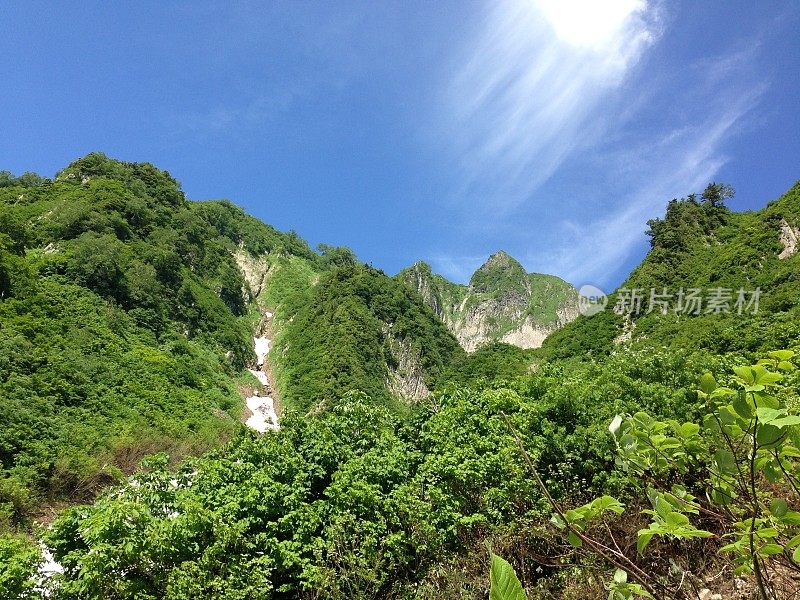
<point>767,435</point>
<point>769,378</point>
<point>796,554</point>
<point>790,452</point>
<point>791,517</point>
<point>759,372</point>
<point>610,503</point>
<point>726,463</point>
<point>620,576</point>
<point>745,374</point>
<point>779,507</point>
<point>574,540</point>
<point>504,582</point>
<point>707,383</point>
<point>786,421</point>
<point>687,430</point>
<point>677,519</point>
<point>768,401</point>
<point>645,535</point>
<point>781,354</point>
<point>721,392</point>
<point>771,549</point>
<point>767,415</point>
<point>742,407</point>
<point>767,533</point>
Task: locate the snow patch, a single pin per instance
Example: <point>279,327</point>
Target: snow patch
<point>260,375</point>
<point>47,570</point>
<point>261,346</point>
<point>264,417</point>
<point>50,566</point>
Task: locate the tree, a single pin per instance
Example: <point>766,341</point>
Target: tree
<point>336,256</point>
<point>715,194</point>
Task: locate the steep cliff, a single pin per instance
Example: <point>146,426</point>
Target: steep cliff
<point>502,303</point>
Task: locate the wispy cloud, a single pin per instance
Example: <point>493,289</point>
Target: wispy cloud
<point>242,115</point>
<point>676,162</point>
<point>551,94</point>
<point>520,102</point>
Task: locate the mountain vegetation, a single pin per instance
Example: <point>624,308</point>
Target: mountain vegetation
<point>702,245</point>
<point>609,462</point>
<point>502,303</point>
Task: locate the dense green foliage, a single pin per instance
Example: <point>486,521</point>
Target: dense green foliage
<point>126,316</point>
<point>495,362</point>
<point>121,325</point>
<point>701,244</point>
<point>732,476</point>
<point>338,337</point>
<point>359,501</point>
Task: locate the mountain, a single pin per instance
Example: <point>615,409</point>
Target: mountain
<point>136,326</point>
<point>127,323</point>
<point>743,269</point>
<point>340,326</point>
<point>502,303</point>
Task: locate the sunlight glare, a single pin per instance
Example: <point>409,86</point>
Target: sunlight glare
<point>588,23</point>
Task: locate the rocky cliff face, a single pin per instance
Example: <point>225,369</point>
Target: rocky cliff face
<point>789,239</point>
<point>501,303</point>
<point>405,376</point>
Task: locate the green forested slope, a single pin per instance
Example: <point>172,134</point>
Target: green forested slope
<point>125,322</point>
<point>122,323</point>
<point>124,326</point>
<point>349,330</point>
<point>701,244</point>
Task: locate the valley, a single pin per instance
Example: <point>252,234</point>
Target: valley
<point>197,405</point>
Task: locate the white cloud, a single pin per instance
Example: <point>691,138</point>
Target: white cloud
<point>550,88</point>
<point>520,102</point>
<point>683,161</point>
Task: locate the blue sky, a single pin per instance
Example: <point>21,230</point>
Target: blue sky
<point>411,130</point>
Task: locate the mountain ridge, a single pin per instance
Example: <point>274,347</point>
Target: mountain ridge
<point>701,244</point>
<point>501,303</point>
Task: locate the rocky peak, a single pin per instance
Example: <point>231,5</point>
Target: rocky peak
<point>501,303</point>
<point>501,275</point>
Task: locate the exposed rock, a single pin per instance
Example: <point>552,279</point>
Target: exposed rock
<point>789,239</point>
<point>406,378</point>
<point>628,326</point>
<point>501,303</point>
<point>254,269</point>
